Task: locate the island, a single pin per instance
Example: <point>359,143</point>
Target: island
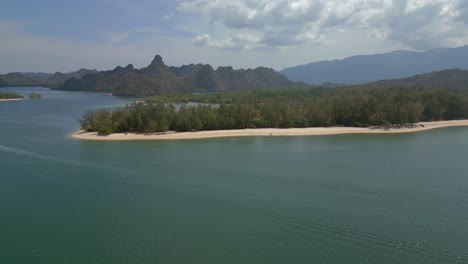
<point>10,97</point>
<point>278,113</point>
<point>265,132</point>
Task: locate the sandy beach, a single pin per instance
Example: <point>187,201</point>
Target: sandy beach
<point>312,131</point>
<point>7,100</point>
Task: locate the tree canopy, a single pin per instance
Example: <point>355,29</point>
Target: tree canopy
<point>280,109</point>
<point>4,95</point>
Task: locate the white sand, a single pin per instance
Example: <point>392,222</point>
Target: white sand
<point>6,100</point>
<point>312,131</point>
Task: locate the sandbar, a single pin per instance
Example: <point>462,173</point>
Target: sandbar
<point>14,99</point>
<point>267,132</point>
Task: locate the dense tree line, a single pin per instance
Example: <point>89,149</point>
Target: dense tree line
<point>10,96</point>
<point>229,97</point>
<point>281,109</point>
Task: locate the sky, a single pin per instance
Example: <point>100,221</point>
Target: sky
<point>66,35</point>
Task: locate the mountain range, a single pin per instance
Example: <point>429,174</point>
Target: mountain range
<point>450,79</point>
<point>368,68</point>
<point>158,78</point>
<point>428,70</point>
<point>40,78</point>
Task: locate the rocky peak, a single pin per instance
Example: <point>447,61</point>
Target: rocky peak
<point>157,61</point>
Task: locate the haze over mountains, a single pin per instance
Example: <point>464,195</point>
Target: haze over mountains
<point>451,79</point>
<point>158,78</point>
<point>51,80</point>
<point>433,69</point>
<point>369,68</point>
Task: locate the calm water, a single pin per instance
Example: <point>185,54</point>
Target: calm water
<point>331,199</point>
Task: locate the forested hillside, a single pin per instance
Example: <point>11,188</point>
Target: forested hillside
<point>450,79</point>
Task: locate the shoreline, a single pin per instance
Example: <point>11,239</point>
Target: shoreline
<point>13,99</point>
<point>264,132</point>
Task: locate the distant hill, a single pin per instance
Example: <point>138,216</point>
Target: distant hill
<point>18,79</point>
<point>3,83</point>
<point>59,78</point>
<point>158,78</point>
<point>450,79</point>
<point>40,78</point>
<point>37,75</point>
<point>369,68</point>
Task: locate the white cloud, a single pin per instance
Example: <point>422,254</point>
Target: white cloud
<point>242,33</point>
<point>116,38</point>
<point>202,40</point>
<point>417,24</point>
<point>24,51</point>
<point>237,42</point>
<point>168,17</point>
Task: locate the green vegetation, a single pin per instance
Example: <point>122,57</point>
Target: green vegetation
<point>35,96</point>
<point>281,109</point>
<point>10,96</point>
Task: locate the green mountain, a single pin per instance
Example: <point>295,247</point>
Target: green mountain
<point>158,78</point>
<point>40,78</point>
<point>18,79</point>
<point>37,75</point>
<point>450,79</point>
<point>59,78</point>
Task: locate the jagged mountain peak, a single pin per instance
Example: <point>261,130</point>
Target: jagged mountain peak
<point>157,61</point>
<point>158,78</point>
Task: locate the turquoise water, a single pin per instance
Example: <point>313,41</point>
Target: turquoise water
<point>327,199</point>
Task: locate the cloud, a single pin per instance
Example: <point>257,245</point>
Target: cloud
<point>417,24</point>
<point>202,40</point>
<point>25,51</point>
<point>274,33</point>
<point>168,17</point>
<point>237,42</point>
<point>116,38</point>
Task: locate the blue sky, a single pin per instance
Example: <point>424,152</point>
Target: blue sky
<point>89,20</point>
<point>53,35</point>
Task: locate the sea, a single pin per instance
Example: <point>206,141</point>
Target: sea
<point>386,198</point>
